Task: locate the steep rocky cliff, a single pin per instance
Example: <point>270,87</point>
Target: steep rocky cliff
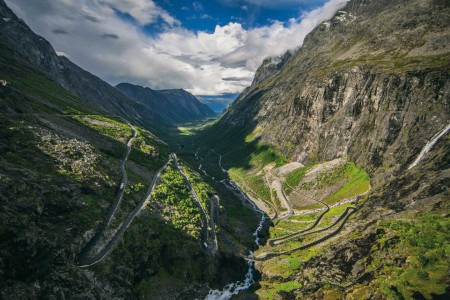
<point>370,86</point>
<point>372,83</point>
<point>172,106</point>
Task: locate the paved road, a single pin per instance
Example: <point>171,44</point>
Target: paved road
<point>274,241</point>
<point>209,240</point>
<point>213,219</point>
<point>272,201</point>
<point>124,176</point>
<point>119,196</point>
<point>308,231</point>
<point>85,259</point>
<point>281,196</point>
<point>265,256</point>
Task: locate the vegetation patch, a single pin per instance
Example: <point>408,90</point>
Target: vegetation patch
<point>252,136</point>
<point>357,183</point>
<point>271,291</point>
<point>202,189</point>
<point>252,183</point>
<point>265,155</point>
<point>411,257</point>
<point>179,208</point>
<point>396,64</point>
<point>293,178</point>
<point>192,128</point>
<point>109,127</point>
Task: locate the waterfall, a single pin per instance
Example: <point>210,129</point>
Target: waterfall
<point>429,145</point>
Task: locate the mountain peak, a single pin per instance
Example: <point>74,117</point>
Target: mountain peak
<point>172,105</point>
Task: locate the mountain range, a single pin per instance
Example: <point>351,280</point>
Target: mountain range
<point>327,178</point>
<point>37,53</point>
<point>171,106</point>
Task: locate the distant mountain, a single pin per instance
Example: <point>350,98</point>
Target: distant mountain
<point>172,106</point>
<point>33,51</point>
<point>216,105</point>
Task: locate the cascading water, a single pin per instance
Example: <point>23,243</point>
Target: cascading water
<point>220,164</point>
<point>236,287</point>
<point>429,145</point>
<point>239,286</point>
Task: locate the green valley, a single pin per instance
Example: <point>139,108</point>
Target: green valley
<point>326,178</point>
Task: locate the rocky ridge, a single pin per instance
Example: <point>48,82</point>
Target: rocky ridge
<point>370,86</point>
<point>172,106</point>
<point>368,67</point>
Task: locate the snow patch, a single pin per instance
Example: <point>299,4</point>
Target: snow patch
<point>342,16</point>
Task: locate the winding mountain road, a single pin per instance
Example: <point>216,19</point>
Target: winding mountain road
<point>119,196</point>
<point>278,186</point>
<point>213,219</point>
<point>86,258</point>
<point>274,241</point>
<point>308,231</point>
<point>209,239</point>
<point>265,256</point>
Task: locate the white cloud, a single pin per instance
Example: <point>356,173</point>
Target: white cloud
<point>60,53</point>
<point>198,7</point>
<point>143,11</point>
<point>274,3</point>
<point>223,61</point>
<point>206,16</point>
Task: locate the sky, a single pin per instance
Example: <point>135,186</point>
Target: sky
<point>210,48</point>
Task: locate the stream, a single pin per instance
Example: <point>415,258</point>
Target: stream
<point>236,287</point>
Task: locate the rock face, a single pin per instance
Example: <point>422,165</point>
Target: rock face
<point>172,106</point>
<point>269,67</point>
<point>371,84</point>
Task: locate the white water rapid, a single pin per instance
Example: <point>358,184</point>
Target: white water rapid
<point>236,287</point>
<point>239,286</point>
